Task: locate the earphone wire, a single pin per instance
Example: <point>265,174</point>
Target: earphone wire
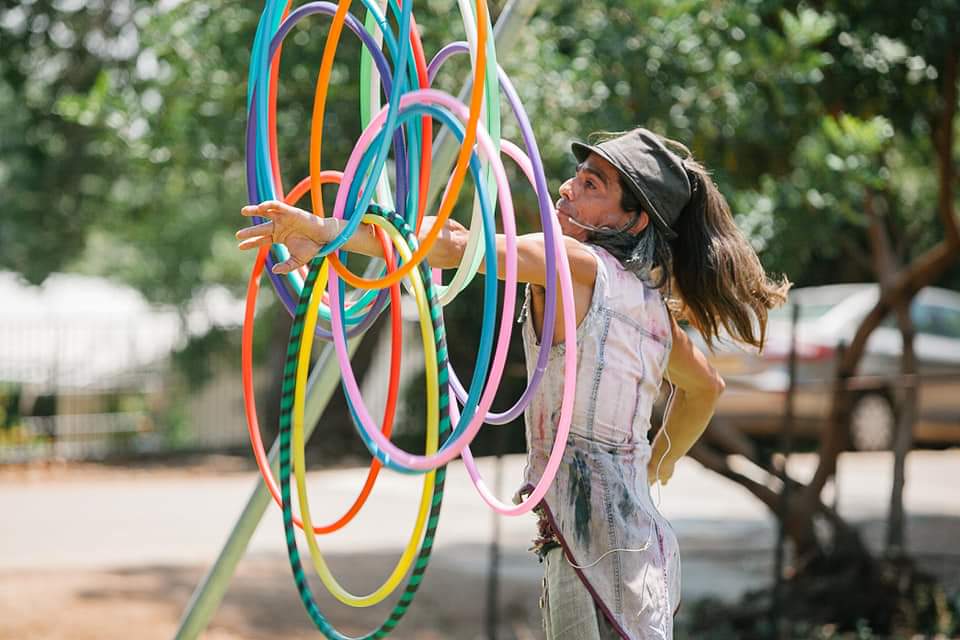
<point>586,226</point>
<point>666,434</point>
<point>589,227</point>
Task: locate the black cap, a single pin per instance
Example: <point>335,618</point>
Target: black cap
<point>654,174</point>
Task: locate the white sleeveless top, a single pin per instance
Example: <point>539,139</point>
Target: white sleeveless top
<point>599,504</point>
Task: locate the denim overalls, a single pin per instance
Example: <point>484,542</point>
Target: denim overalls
<point>599,506</point>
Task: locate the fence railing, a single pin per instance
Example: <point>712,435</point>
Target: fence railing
<point>110,392</point>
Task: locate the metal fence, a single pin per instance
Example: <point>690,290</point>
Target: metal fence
<point>88,388</point>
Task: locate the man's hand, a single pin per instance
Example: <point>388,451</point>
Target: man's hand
<point>300,231</point>
<point>664,473</point>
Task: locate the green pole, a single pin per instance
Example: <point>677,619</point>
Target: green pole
<point>321,385</point>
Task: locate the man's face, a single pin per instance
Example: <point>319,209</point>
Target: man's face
<point>592,197</point>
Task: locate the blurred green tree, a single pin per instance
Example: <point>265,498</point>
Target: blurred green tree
<point>52,172</point>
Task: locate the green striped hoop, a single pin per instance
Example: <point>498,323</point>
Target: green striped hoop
<point>286,419</point>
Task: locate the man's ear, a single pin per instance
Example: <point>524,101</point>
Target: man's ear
<point>642,221</point>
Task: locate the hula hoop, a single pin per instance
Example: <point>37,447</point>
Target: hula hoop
<point>302,338</point>
<point>450,196</point>
<point>355,167</point>
<point>426,548</point>
<point>386,451</point>
<point>257,175</point>
<point>249,395</point>
<point>533,169</point>
<point>404,124</point>
<point>474,251</point>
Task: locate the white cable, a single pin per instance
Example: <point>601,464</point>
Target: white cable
<point>663,431</point>
<point>608,552</point>
<point>604,229</point>
<point>583,225</point>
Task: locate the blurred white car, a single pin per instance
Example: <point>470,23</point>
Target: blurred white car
<point>754,400</point>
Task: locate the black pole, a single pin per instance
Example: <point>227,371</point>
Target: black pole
<point>777,629</point>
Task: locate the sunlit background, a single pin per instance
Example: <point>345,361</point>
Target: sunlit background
<point>829,126</point>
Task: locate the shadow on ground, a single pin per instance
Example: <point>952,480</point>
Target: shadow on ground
<point>147,602</point>
<point>262,601</point>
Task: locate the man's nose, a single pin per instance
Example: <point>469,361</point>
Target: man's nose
<point>567,190</point>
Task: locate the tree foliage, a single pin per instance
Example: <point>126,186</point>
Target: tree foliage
<point>122,125</point>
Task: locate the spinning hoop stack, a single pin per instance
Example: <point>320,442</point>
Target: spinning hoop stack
<point>394,62</point>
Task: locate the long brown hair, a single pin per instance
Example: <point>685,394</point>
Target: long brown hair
<point>716,272</point>
<point>710,265</point>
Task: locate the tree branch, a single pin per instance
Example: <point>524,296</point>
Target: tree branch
<point>884,262</point>
<point>943,141</point>
<point>920,273</point>
<point>856,253</point>
<point>718,464</point>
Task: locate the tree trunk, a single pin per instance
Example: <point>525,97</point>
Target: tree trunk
<point>903,442</point>
<point>922,271</point>
<point>887,270</point>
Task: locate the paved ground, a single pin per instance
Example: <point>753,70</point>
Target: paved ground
<point>91,552</point>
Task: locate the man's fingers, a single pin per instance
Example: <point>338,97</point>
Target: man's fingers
<point>266,209</point>
<point>255,243</point>
<point>255,210</point>
<point>285,267</point>
<point>262,229</point>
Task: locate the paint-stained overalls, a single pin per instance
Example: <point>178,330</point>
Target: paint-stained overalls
<point>599,508</point>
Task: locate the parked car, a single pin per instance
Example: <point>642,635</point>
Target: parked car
<point>830,315</point>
